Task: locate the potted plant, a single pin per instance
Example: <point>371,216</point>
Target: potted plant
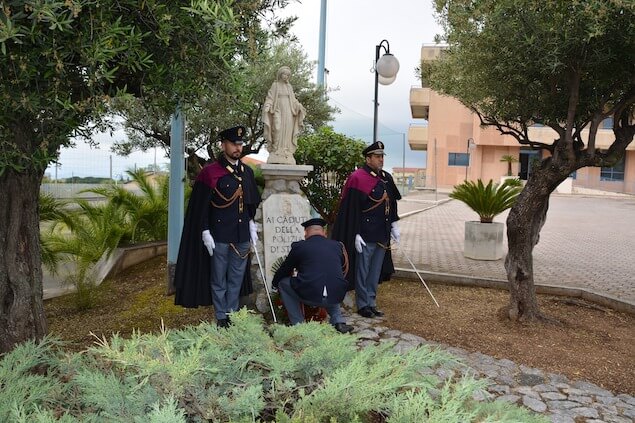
<point>484,239</point>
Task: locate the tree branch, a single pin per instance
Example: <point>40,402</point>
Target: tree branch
<point>522,136</point>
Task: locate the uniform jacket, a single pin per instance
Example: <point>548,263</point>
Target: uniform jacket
<point>228,215</point>
<point>320,262</point>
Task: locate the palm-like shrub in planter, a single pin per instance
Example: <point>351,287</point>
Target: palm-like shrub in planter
<point>484,239</point>
<point>487,200</point>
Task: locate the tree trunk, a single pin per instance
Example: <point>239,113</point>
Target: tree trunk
<point>524,223</point>
<point>21,304</point>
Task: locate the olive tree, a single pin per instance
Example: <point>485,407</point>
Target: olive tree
<point>567,65</point>
<point>61,63</point>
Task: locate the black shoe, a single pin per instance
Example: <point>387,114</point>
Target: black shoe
<point>343,327</point>
<point>376,312</point>
<point>366,312</point>
<point>222,323</point>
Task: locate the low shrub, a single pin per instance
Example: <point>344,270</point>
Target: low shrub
<point>247,372</point>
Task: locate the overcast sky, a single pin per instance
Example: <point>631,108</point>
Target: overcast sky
<point>353,29</point>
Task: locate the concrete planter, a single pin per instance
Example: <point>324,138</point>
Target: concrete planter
<point>107,266</point>
<point>483,241</point>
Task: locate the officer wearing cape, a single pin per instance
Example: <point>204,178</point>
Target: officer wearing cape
<point>366,221</point>
<point>212,264</point>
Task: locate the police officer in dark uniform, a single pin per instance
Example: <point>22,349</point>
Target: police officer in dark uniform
<point>220,213</point>
<point>366,221</point>
<point>321,264</point>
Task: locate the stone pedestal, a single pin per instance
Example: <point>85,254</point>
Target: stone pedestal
<point>284,208</point>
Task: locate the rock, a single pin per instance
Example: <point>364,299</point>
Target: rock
<point>553,396</point>
<point>616,419</point>
<point>545,387</point>
<point>367,334</point>
<point>410,337</point>
<point>591,388</point>
<point>513,399</point>
<point>561,418</point>
<point>499,389</point>
<point>534,404</point>
<point>562,405</point>
<point>528,379</point>
<point>587,412</point>
<point>525,390</point>
<point>627,399</point>
<point>607,400</point>
<point>580,399</point>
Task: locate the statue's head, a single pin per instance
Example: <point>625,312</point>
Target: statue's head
<point>284,73</point>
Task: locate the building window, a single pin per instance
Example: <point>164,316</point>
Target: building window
<point>615,173</point>
<point>607,123</point>
<point>458,159</point>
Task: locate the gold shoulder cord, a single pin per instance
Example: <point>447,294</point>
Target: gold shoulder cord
<point>238,194</point>
<point>384,199</point>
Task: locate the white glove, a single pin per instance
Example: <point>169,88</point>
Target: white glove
<point>394,232</point>
<point>359,243</point>
<point>253,232</point>
<point>208,241</point>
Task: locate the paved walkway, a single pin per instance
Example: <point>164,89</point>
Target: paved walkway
<point>587,242</point>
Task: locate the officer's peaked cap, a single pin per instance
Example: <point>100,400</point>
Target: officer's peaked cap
<point>375,148</point>
<point>234,134</point>
<point>316,221</point>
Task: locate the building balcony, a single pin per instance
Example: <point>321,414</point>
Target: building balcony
<point>419,102</point>
<point>418,137</point>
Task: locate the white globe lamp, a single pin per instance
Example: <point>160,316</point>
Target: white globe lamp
<point>388,66</point>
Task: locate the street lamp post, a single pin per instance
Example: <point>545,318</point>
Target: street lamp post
<point>385,69</point>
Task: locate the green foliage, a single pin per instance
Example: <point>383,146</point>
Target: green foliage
<point>146,213</point>
<point>333,157</point>
<point>51,211</point>
<point>62,61</point>
<point>92,231</point>
<point>259,177</point>
<point>23,386</point>
<point>487,200</point>
<point>247,372</point>
<point>509,159</point>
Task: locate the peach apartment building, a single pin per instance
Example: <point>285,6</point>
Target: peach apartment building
<point>458,148</point>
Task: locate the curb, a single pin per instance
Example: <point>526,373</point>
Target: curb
<point>558,290</point>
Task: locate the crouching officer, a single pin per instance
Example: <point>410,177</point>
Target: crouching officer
<point>321,264</point>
